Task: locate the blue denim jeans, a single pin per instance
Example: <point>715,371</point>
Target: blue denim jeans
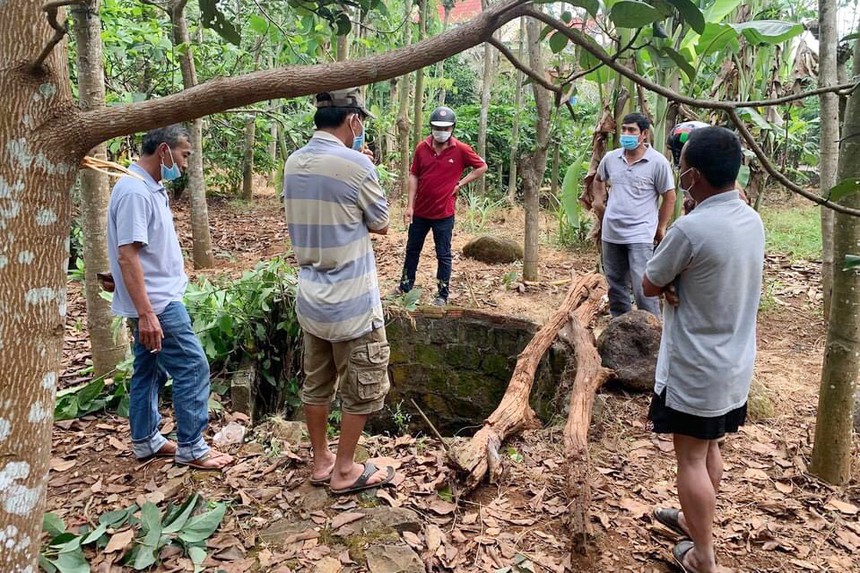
<point>443,230</point>
<point>182,358</point>
<point>624,266</point>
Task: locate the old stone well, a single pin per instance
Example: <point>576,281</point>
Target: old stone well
<point>454,363</point>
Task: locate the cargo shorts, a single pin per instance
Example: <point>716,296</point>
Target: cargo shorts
<point>357,368</point>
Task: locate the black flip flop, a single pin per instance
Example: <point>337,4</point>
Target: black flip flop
<point>319,482</point>
<point>668,517</point>
<point>360,484</point>
<point>679,552</point>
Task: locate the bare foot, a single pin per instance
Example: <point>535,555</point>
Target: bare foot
<point>323,467</point>
<point>341,480</point>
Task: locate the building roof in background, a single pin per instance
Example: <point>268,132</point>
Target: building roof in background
<point>463,10</point>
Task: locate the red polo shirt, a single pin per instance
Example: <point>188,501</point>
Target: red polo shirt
<point>438,174</point>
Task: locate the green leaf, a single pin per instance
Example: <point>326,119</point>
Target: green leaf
<point>768,31</point>
<point>71,562</point>
<point>150,521</point>
<point>682,62</point>
<point>343,23</point>
<point>848,38</point>
<point>184,512</point>
<point>53,525</point>
<point>716,38</point>
<point>118,517</point>
<point>690,13</point>
<point>590,6</point>
<point>95,534</point>
<point>755,117</point>
<point>633,14</point>
<point>843,189</point>
<point>89,393</point>
<point>557,42</point>
<point>258,24</point>
<point>852,262</point>
<point>197,555</point>
<point>720,9</point>
<point>200,527</point>
<point>566,16</point>
<point>744,175</point>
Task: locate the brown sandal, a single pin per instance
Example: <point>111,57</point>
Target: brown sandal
<point>204,462</point>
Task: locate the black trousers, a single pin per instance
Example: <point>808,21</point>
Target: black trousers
<point>443,230</point>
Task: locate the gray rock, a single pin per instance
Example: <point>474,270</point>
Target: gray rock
<point>313,498</point>
<point>629,346</point>
<point>493,250</point>
<point>382,519</point>
<point>287,430</point>
<point>393,559</point>
<point>284,529</point>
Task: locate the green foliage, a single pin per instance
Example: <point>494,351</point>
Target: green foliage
<point>794,232</point>
<point>96,395</point>
<point>178,526</point>
<point>573,223</point>
<point>479,211</point>
<point>852,262</point>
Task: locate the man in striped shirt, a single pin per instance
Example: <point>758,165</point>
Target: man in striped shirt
<point>333,202</point>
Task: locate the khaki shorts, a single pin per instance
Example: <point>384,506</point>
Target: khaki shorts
<point>358,368</point>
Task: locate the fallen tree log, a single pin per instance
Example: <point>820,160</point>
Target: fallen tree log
<point>480,455</point>
<point>590,376</point>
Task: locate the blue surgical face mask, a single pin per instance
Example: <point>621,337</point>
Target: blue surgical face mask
<point>629,142</point>
<point>358,140</point>
<point>170,173</point>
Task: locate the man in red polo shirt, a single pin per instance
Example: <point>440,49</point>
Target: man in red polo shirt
<point>434,180</point>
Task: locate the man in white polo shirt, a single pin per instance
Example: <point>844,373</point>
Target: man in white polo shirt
<point>709,268</point>
<point>633,219</point>
<point>149,277</point>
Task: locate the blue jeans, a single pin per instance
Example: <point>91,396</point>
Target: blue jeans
<point>443,229</point>
<point>183,359</point>
<point>624,266</point>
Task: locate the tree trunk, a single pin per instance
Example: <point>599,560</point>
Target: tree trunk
<point>831,454</point>
<point>534,165</point>
<point>483,120</point>
<point>478,457</point>
<point>107,351</point>
<point>273,145</point>
<point>418,102</point>
<point>200,236</point>
<point>248,160</point>
<point>590,376</point>
<point>403,114</point>
<point>828,38</point>
<point>515,129</point>
<point>38,167</point>
<point>447,5</point>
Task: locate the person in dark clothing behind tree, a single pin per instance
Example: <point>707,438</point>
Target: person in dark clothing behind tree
<point>435,179</point>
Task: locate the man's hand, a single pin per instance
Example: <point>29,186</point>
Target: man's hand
<point>107,282</point>
<point>658,236</point>
<point>149,330</point>
<point>368,153</point>
<point>457,188</point>
<point>407,216</point>
<point>670,295</point>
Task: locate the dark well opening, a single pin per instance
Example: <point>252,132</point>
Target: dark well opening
<point>456,365</point>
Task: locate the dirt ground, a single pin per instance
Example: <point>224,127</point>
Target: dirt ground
<point>772,515</point>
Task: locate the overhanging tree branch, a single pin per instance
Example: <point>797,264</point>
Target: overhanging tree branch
<point>535,76</point>
<point>730,107</point>
<point>288,82</point>
<point>60,30</point>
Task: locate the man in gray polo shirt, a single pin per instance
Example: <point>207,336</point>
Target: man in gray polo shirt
<point>632,222</point>
<point>149,277</point>
<point>709,269</point>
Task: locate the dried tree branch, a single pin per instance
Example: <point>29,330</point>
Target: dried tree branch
<point>729,107</point>
<point>582,73</point>
<point>60,30</point>
<point>535,76</point>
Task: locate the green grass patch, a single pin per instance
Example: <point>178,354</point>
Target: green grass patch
<point>794,232</point>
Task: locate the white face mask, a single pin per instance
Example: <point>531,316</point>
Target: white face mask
<point>441,136</point>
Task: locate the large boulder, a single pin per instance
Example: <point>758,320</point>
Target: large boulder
<point>493,250</point>
<point>629,346</point>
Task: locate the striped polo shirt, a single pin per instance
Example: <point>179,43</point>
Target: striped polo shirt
<point>332,197</point>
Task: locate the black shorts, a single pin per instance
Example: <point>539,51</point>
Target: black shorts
<point>669,421</point>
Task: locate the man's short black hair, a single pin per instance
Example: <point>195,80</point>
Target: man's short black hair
<point>171,135</point>
<point>331,117</point>
<point>716,153</point>
<point>640,120</point>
